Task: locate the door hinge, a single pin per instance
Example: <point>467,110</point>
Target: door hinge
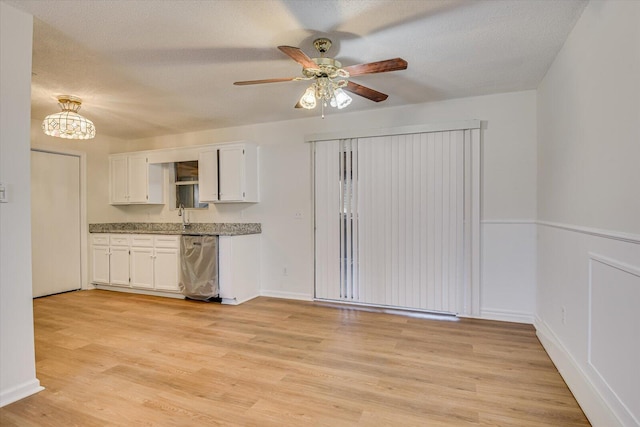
<point>243,194</point>
<point>243,152</point>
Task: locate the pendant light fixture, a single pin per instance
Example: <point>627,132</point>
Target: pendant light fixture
<point>327,91</point>
<point>68,123</point>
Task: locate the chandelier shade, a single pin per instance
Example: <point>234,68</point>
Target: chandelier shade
<point>327,91</point>
<point>68,123</point>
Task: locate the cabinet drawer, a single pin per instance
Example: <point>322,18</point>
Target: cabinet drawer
<point>142,240</point>
<point>100,239</point>
<point>167,241</point>
<point>119,240</point>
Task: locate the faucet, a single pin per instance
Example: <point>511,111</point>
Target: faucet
<point>183,214</point>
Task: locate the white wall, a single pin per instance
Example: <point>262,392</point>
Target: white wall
<point>509,192</point>
<point>17,358</point>
<point>588,270</point>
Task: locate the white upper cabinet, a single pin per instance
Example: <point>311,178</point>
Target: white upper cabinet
<point>208,174</point>
<point>229,173</point>
<point>119,183</point>
<point>134,180</point>
<point>232,174</point>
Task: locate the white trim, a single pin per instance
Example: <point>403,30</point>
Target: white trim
<point>105,287</point>
<point>236,301</point>
<point>508,221</point>
<point>84,227</point>
<point>286,295</point>
<point>176,154</point>
<point>476,247</point>
<point>506,315</point>
<point>403,130</point>
<point>377,308</point>
<point>600,382</point>
<point>20,392</point>
<point>627,268</point>
<point>608,234</point>
<point>391,309</point>
<point>591,401</point>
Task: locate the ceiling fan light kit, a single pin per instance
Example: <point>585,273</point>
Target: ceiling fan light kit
<point>68,123</point>
<point>330,79</point>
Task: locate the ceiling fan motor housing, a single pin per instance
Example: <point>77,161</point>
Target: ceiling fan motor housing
<point>327,67</point>
<point>322,45</point>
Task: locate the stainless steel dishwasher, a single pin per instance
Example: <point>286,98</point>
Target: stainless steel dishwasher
<point>199,267</point>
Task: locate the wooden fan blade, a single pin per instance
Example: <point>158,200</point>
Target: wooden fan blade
<point>299,56</point>
<point>256,82</point>
<point>365,92</point>
<point>395,64</point>
<point>298,105</point>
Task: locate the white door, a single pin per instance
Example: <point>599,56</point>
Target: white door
<point>231,173</point>
<point>208,175</point>
<point>138,179</point>
<point>119,265</point>
<point>100,264</point>
<point>142,267</point>
<point>119,179</point>
<point>55,223</point>
<point>166,269</point>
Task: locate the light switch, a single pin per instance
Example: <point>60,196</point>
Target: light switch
<point>3,193</point>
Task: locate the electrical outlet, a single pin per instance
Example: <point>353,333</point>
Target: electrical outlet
<point>564,315</point>
<point>4,198</point>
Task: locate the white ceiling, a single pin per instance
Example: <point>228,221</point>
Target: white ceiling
<point>146,68</point>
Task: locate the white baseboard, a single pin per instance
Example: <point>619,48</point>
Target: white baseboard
<point>286,295</point>
<point>585,392</point>
<point>235,301</point>
<point>20,392</point>
<point>506,315</point>
<point>139,291</point>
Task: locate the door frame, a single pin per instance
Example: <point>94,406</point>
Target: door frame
<point>84,260</point>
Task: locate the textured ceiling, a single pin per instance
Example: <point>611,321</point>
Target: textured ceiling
<point>146,68</point>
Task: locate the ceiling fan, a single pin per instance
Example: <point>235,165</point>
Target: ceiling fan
<point>330,79</point>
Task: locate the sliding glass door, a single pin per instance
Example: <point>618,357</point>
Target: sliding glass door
<point>390,217</point>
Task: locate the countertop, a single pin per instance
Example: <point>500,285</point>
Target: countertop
<point>210,228</point>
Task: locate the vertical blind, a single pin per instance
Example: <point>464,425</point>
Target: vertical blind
<point>390,218</point>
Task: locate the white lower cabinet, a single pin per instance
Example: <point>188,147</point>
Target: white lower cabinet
<point>239,268</point>
<point>167,269</point>
<point>142,268</point>
<point>100,263</point>
<point>119,265</point>
<point>135,261</point>
<point>119,259</point>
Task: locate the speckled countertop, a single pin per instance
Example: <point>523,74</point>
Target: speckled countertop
<point>211,228</point>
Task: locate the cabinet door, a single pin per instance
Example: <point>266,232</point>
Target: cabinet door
<point>100,264</point>
<point>142,268</point>
<point>231,161</point>
<point>166,270</point>
<point>138,179</point>
<point>208,175</point>
<point>119,179</point>
<point>119,265</point>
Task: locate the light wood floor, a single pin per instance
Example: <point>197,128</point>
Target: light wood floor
<point>110,358</point>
